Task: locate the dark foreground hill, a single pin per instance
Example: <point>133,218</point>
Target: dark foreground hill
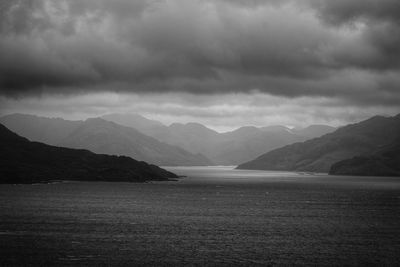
<point>319,154</point>
<point>23,161</point>
<point>385,162</point>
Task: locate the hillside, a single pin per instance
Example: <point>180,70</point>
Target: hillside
<point>319,154</point>
<point>384,162</point>
<point>133,120</point>
<point>23,161</point>
<point>46,130</point>
<point>230,148</point>
<point>100,136</point>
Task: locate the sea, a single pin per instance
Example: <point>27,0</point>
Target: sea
<point>210,216</point>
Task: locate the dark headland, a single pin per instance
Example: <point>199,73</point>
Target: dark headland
<point>23,161</point>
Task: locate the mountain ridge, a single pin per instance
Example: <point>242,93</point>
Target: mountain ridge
<point>119,140</point>
<point>229,148</point>
<point>319,154</point>
<point>106,137</point>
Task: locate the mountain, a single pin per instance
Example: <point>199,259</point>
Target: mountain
<point>133,120</point>
<point>193,137</point>
<point>319,154</point>
<point>151,141</point>
<point>249,142</point>
<point>384,162</point>
<point>23,161</point>
<point>100,136</point>
<point>46,130</point>
<point>276,129</point>
<point>229,148</point>
<point>314,131</point>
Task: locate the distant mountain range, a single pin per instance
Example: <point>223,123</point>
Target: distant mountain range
<point>229,148</point>
<point>101,136</point>
<point>46,130</point>
<point>370,147</point>
<point>373,139</point>
<point>149,140</point>
<point>133,120</point>
<point>23,161</point>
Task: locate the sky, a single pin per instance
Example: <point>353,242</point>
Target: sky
<point>224,63</point>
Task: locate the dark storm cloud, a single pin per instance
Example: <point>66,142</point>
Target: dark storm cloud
<point>350,11</point>
<point>381,33</point>
<point>347,49</point>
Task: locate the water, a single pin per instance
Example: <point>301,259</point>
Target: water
<point>214,216</point>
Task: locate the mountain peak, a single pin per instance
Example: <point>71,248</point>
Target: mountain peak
<point>245,130</point>
<point>133,120</point>
<point>16,116</point>
<point>99,121</point>
<point>192,127</point>
<point>275,128</point>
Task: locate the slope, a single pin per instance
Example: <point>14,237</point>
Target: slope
<point>384,162</point>
<point>230,148</point>
<point>319,154</point>
<point>23,161</point>
<point>101,136</point>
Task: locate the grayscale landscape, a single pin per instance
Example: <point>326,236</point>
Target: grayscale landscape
<point>199,133</point>
<point>215,216</point>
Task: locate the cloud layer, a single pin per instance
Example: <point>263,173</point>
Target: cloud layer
<point>347,49</point>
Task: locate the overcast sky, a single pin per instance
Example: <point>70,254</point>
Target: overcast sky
<point>222,63</point>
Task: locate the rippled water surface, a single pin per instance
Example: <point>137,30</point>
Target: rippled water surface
<point>213,216</point>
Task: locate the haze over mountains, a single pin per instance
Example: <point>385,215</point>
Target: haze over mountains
<point>230,148</point>
<point>366,139</point>
<point>100,136</point>
<point>143,139</point>
<point>23,161</point>
<point>369,147</point>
